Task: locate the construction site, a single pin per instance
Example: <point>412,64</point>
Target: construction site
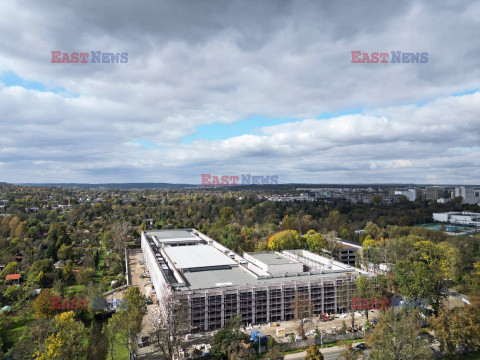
<point>261,287</point>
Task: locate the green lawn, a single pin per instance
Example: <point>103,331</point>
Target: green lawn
<point>18,325</point>
<point>101,264</point>
<point>75,289</point>
<point>120,352</point>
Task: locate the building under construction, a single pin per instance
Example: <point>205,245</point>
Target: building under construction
<point>259,287</point>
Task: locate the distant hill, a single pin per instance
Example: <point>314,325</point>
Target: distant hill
<point>115,185</point>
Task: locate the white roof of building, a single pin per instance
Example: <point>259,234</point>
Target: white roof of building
<point>272,258</point>
<point>198,256</point>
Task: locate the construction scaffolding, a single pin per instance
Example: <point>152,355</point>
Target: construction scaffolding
<point>328,286</point>
<point>210,309</point>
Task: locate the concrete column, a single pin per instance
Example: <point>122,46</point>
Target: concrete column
<point>206,312</point>
<point>268,305</point>
<point>283,303</point>
<point>238,303</point>
<point>323,296</point>
<point>310,297</point>
<point>223,308</point>
<point>336,295</point>
<point>254,318</point>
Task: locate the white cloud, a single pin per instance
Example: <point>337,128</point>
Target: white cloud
<point>195,64</point>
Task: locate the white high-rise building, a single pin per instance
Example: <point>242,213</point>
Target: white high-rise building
<point>470,195</point>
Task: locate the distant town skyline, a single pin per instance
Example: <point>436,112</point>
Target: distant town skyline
<point>240,87</point>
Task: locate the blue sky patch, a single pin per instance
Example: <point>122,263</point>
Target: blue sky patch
<point>11,79</point>
<point>147,144</point>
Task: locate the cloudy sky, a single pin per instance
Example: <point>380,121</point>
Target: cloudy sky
<point>236,87</point>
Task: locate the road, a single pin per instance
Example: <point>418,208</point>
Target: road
<point>328,354</point>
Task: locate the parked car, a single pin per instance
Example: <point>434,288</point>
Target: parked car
<point>360,346</point>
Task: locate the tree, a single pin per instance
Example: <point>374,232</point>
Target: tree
<point>284,240</point>
<point>365,289</point>
<point>373,230</point>
<point>302,309</point>
<point>333,221</point>
<point>348,352</point>
<point>127,323</point>
<point>471,314</point>
<point>241,350</point>
<point>417,281</point>
<point>43,305</point>
<point>65,252</point>
<point>33,339</point>
<point>97,343</point>
<point>439,257</point>
<point>67,273</point>
<point>377,199</point>
<point>169,324</point>
<point>315,242</point>
<point>458,327</point>
<point>4,326</point>
<point>68,342</point>
<point>449,329</point>
<point>11,268</point>
<point>274,353</point>
<point>332,245</point>
<point>287,223</point>
<point>119,233</point>
<point>395,338</point>
<point>313,353</point>
<point>228,340</point>
<point>345,292</point>
<point>226,214</point>
<point>85,276</point>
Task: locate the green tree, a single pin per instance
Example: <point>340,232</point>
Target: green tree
<point>4,326</point>
<point>315,242</point>
<point>67,273</point>
<point>97,343</point>
<point>11,268</point>
<point>365,289</point>
<point>65,252</point>
<point>449,328</point>
<point>287,223</point>
<point>43,304</point>
<point>68,342</point>
<point>416,280</point>
<point>228,338</point>
<point>284,240</point>
<point>313,353</point>
<point>395,338</point>
<point>348,352</point>
<point>127,323</point>
<point>226,214</point>
<point>373,230</point>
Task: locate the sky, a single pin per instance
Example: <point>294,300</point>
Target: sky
<point>240,87</point>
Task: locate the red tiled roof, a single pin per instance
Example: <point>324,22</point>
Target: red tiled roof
<point>13,277</point>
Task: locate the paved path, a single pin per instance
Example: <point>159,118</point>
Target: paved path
<point>330,353</point>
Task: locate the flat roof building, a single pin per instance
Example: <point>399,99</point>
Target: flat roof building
<point>259,287</point>
<point>460,218</point>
